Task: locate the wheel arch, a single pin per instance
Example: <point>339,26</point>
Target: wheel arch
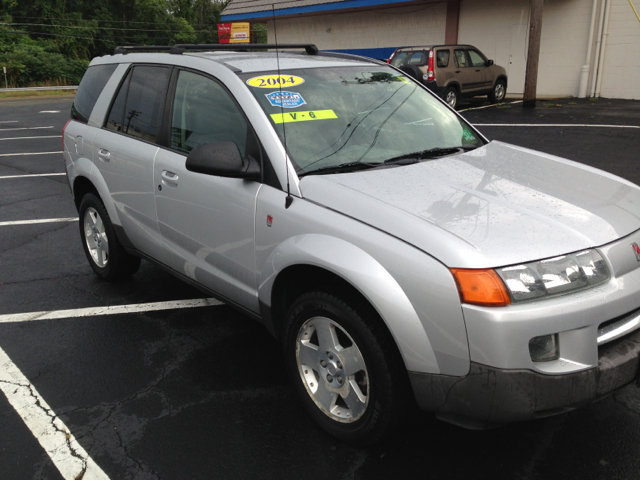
<point>88,179</point>
<point>314,260</point>
<point>503,78</point>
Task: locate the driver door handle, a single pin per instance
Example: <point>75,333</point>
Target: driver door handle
<point>169,178</point>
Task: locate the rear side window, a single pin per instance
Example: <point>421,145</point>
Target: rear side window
<point>442,58</point>
<point>138,107</point>
<point>90,88</point>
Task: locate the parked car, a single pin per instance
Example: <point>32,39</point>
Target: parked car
<point>396,252</point>
<point>453,71</point>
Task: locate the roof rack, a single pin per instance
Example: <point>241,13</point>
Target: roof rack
<point>178,49</point>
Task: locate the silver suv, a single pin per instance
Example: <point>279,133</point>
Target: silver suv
<point>396,253</point>
<point>453,71</point>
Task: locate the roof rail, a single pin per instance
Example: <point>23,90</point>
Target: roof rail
<point>178,49</point>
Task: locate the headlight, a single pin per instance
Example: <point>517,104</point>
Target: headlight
<point>555,276</point>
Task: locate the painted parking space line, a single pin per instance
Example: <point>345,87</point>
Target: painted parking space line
<point>39,220</point>
<point>49,111</point>
<point>28,153</point>
<point>111,310</point>
<point>32,175</point>
<point>29,138</point>
<point>9,121</point>
<point>24,128</point>
<point>71,460</point>
<point>551,125</point>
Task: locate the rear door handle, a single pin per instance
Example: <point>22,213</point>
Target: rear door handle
<point>457,71</point>
<point>104,155</point>
<point>169,178</point>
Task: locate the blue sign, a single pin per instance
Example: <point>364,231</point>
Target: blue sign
<point>285,99</point>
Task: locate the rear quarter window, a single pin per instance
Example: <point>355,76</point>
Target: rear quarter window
<point>90,88</point>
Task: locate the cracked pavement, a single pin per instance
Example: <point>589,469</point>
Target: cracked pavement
<point>202,393</point>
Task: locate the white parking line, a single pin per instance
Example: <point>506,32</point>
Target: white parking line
<point>28,138</point>
<point>28,153</point>
<point>39,220</point>
<point>551,125</point>
<point>10,121</point>
<point>112,310</point>
<point>50,111</point>
<point>23,128</point>
<point>69,457</point>
<point>32,175</point>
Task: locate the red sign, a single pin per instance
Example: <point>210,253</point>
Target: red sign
<point>224,32</point>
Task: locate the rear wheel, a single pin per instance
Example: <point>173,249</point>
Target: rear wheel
<point>451,97</point>
<point>101,246</point>
<point>345,367</point>
<point>498,92</point>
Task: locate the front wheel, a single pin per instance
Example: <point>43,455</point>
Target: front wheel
<point>498,92</point>
<point>106,256</point>
<point>345,367</point>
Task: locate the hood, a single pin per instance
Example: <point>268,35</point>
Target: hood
<point>494,206</point>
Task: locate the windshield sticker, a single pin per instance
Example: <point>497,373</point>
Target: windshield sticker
<point>468,136</point>
<point>285,99</point>
<point>303,116</point>
<point>271,81</point>
<point>405,80</point>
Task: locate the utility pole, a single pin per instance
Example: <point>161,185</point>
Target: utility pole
<point>533,55</point>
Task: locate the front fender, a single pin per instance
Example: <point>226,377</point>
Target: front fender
<point>366,275</point>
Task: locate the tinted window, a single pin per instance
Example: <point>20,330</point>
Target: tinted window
<point>477,60</point>
<point>145,102</point>
<point>442,57</point>
<point>203,112</point>
<point>461,58</point>
<point>418,58</point>
<point>398,58</point>
<point>116,115</point>
<point>89,90</point>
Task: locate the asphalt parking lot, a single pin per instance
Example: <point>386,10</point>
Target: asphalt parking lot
<point>97,386</point>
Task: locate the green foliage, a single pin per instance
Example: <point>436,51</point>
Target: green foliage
<point>52,41</point>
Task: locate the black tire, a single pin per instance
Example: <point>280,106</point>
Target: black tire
<point>109,259</point>
<point>382,381</point>
<point>451,97</point>
<point>498,92</point>
<point>412,71</point>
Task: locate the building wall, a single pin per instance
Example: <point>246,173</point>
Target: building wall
<point>621,73</point>
<point>394,27</point>
<point>499,28</point>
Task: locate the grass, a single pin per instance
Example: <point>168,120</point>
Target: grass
<point>37,93</point>
<point>503,106</point>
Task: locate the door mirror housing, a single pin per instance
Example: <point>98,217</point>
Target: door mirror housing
<point>222,159</point>
<point>489,63</point>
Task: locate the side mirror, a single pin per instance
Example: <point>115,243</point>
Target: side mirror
<point>489,63</point>
<point>222,159</point>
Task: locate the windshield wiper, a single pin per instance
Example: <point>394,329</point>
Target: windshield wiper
<point>430,153</point>
<point>342,168</point>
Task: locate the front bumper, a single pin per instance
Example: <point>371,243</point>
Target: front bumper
<point>488,396</point>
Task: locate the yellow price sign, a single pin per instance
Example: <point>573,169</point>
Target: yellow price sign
<point>275,81</point>
<point>290,117</point>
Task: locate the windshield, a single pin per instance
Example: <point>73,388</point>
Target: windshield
<point>362,115</point>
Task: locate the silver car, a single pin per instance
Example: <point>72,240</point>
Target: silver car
<point>396,253</point>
